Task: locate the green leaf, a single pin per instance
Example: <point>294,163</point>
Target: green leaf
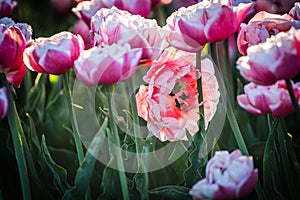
<point>269,162</point>
<point>59,173</point>
<point>172,192</point>
<point>196,159</point>
<point>85,171</point>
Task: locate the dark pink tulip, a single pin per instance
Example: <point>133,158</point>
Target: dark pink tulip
<point>228,176</point>
<point>206,21</point>
<point>3,102</point>
<point>272,60</point>
<point>117,26</point>
<point>262,26</point>
<point>12,46</point>
<point>6,7</point>
<point>53,55</point>
<point>107,64</point>
<point>273,99</point>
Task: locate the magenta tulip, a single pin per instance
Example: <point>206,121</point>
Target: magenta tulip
<point>6,7</point>
<point>53,55</point>
<point>228,176</point>
<point>3,102</point>
<point>204,22</point>
<point>107,64</point>
<point>273,99</point>
<point>272,60</point>
<point>12,46</point>
<point>117,26</point>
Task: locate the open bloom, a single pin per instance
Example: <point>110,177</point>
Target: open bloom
<point>107,64</point>
<point>206,21</point>
<point>53,55</point>
<point>272,60</point>
<point>169,103</point>
<point>12,46</point>
<point>116,26</point>
<point>3,102</point>
<point>228,176</point>
<point>273,99</point>
<point>6,7</point>
<point>262,26</point>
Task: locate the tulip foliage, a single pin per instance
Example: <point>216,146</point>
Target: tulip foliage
<point>153,99</point>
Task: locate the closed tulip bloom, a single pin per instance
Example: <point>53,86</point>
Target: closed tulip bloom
<point>272,60</point>
<point>3,102</point>
<point>12,46</point>
<point>273,99</point>
<point>228,176</point>
<point>83,30</point>
<point>205,22</point>
<point>117,26</point>
<point>169,103</point>
<point>55,54</point>
<point>107,64</point>
<point>6,7</point>
<point>262,26</point>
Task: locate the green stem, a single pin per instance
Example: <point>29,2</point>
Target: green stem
<point>76,135</point>
<point>293,98</point>
<point>199,84</point>
<point>15,124</point>
<point>138,144</point>
<point>118,152</point>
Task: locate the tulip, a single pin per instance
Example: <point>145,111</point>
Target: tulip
<point>272,60</point>
<point>86,9</point>
<point>295,11</point>
<point>262,26</point>
<point>116,26</point>
<point>6,7</point>
<point>273,99</point>
<point>3,102</point>
<point>277,7</point>
<point>169,103</point>
<point>83,30</point>
<point>206,21</point>
<point>228,176</point>
<point>107,64</point>
<point>12,46</point>
<point>53,55</point>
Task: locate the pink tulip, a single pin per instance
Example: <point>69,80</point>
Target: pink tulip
<point>12,46</point>
<point>136,7</point>
<point>53,55</point>
<point>228,176</point>
<point>3,102</point>
<point>272,60</point>
<point>107,64</point>
<point>116,26</point>
<point>6,7</point>
<point>206,21</point>
<point>262,26</point>
<point>24,27</point>
<point>273,99</point>
<point>170,103</point>
<point>86,9</point>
